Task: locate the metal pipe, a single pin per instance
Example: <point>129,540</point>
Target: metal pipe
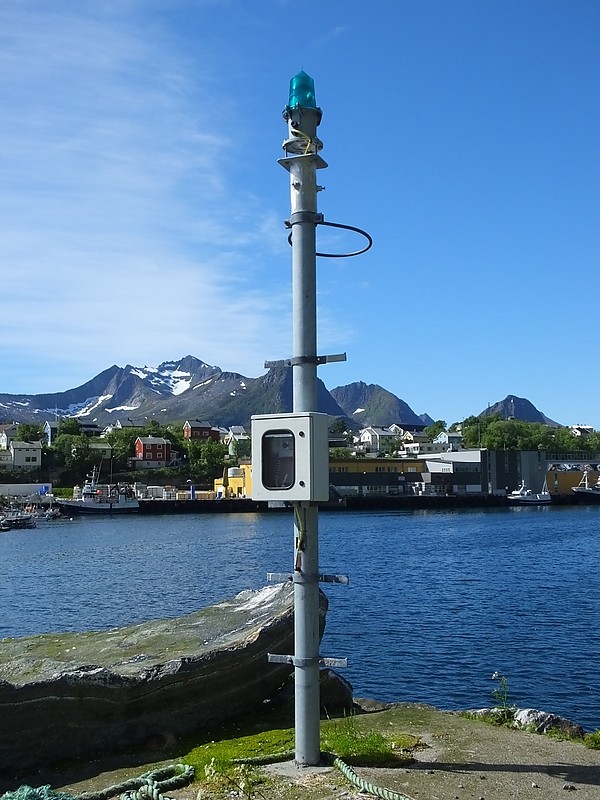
<point>302,161</point>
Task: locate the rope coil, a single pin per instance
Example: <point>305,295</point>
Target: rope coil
<point>149,786</point>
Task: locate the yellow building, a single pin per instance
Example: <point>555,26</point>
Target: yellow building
<point>563,481</point>
<point>236,482</point>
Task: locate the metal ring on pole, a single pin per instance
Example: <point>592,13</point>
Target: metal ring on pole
<point>338,225</point>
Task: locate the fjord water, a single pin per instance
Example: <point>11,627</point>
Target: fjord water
<point>437,601</point>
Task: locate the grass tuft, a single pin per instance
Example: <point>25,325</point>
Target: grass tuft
<point>592,740</point>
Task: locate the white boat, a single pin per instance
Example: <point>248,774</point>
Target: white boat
<point>100,498</point>
<point>12,519</point>
<point>584,488</point>
<point>525,497</point>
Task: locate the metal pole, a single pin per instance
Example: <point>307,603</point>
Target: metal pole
<point>303,194</point>
<point>303,119</point>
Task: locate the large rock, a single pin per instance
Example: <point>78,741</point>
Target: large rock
<point>63,696</point>
<point>544,721</point>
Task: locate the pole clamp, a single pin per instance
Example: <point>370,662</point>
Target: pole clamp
<point>298,217</point>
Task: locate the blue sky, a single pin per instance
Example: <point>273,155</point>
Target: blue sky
<point>142,205</point>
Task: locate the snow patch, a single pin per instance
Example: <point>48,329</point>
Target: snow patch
<point>181,386</point>
<point>121,408</point>
<point>358,410</point>
<point>167,379</point>
<point>91,405</point>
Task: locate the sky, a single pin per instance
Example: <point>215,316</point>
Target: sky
<point>142,207</point>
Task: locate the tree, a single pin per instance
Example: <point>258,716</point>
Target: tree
<point>74,453</point>
<point>242,448</point>
<point>496,433</point>
<point>30,432</point>
<point>433,430</point>
<point>339,425</point>
<point>123,446</point>
<point>340,454</point>
<point>154,428</point>
<point>212,460</point>
<point>69,425</point>
<point>563,441</point>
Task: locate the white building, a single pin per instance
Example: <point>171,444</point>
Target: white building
<point>8,432</point>
<point>374,439</point>
<point>26,455</point>
<point>452,441</point>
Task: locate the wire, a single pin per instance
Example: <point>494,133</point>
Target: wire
<point>344,227</point>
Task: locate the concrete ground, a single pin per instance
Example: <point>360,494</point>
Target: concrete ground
<point>458,759</point>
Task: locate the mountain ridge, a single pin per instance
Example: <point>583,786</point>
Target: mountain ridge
<point>371,404</point>
<point>189,388</point>
<point>513,407</point>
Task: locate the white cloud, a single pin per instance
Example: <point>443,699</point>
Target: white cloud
<point>124,236</point>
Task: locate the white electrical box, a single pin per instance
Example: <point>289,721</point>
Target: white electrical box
<point>290,457</point>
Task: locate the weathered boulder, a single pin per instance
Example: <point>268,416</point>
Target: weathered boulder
<point>543,721</point>
<point>531,719</point>
<point>63,696</point>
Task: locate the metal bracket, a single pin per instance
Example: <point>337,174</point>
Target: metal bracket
<point>300,577</point>
<point>300,360</point>
<point>298,217</point>
<point>274,658</point>
<point>286,162</point>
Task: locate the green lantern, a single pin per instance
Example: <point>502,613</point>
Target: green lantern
<point>302,91</point>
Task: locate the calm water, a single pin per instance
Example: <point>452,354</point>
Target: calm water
<point>437,601</point>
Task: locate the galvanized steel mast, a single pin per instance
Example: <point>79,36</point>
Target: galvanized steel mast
<point>302,161</point>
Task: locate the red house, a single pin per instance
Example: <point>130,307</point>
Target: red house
<point>200,430</point>
<point>152,451</point>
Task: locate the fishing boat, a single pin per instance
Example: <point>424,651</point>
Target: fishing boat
<point>525,497</point>
<point>586,490</point>
<point>100,498</point>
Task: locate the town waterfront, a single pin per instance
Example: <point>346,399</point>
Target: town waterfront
<point>437,601</point>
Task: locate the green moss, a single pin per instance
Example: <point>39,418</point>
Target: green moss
<point>348,738</point>
<point>220,755</point>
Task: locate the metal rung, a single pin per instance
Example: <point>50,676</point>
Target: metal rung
<point>333,662</point>
<point>300,360</point>
<point>334,579</point>
<point>299,577</point>
<point>279,577</point>
<point>275,658</point>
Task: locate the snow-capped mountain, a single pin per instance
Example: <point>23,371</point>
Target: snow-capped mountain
<point>175,390</point>
<point>191,389</point>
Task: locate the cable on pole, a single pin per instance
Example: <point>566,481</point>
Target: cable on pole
<point>336,225</point>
